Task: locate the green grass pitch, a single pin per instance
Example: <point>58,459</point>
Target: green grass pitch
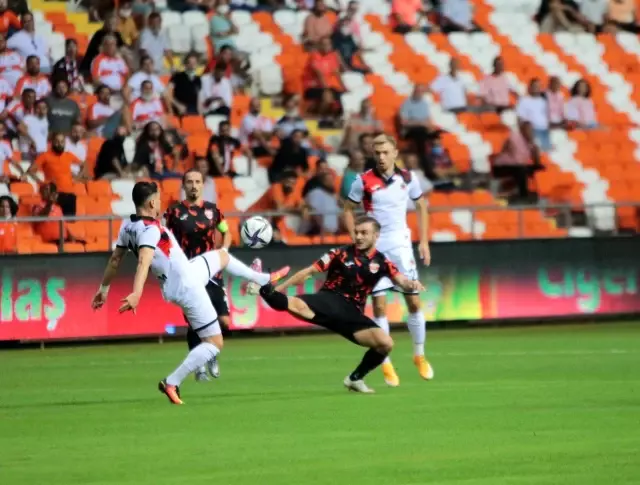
<point>535,405</point>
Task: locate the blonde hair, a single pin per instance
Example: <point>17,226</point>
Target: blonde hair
<point>384,138</point>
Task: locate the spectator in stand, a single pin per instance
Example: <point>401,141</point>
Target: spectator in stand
<point>365,145</point>
<point>56,165</point>
<point>68,68</point>
<point>77,145</point>
<point>291,120</point>
<point>322,167</point>
<point>185,87</point>
<point>561,15</point>
<point>495,89</point>
<point>8,233</point>
<point>355,168</point>
<point>155,43</point>
<point>111,162</point>
<point>34,132</point>
<point>126,24</point>
<point>286,195</point>
<point>358,124</point>
<point>11,63</point>
<point>291,155</point>
<point>27,43</point>
<point>440,168</point>
<point>6,94</point>
<point>63,112</point>
<point>533,108</point>
<point>154,154</point>
<point>354,22</point>
<point>223,147</point>
<point>323,84</point>
<point>6,158</point>
<point>451,89</point>
<point>317,26</point>
<point>622,14</point>
<point>257,130</point>
<point>412,164</point>
<point>237,69</point>
<point>33,79</point>
<point>406,16</point>
<point>579,111</point>
<point>216,95</point>
<point>109,68</point>
<point>345,45</point>
<point>148,107</point>
<point>518,159</point>
<point>222,28</point>
<point>9,21</point>
<point>101,111</point>
<point>147,73</point>
<point>415,121</point>
<point>93,49</point>
<point>322,202</point>
<point>555,102</point>
<point>54,231</point>
<point>17,110</point>
<point>209,193</point>
<point>456,16</point>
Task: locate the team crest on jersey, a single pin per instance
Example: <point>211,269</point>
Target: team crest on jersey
<point>208,213</point>
<point>374,267</point>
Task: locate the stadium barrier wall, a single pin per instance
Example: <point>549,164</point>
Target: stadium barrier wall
<point>48,297</point>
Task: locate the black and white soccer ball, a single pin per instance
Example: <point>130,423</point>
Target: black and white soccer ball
<point>256,232</point>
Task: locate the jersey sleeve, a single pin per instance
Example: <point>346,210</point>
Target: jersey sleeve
<point>389,269</point>
<point>415,191</point>
<point>325,261</point>
<point>121,242</point>
<point>357,190</point>
<point>149,237</point>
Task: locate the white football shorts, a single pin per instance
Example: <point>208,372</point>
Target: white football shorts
<point>404,259</point>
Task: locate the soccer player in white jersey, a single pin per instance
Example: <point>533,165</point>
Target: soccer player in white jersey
<point>182,281</point>
<point>384,192</point>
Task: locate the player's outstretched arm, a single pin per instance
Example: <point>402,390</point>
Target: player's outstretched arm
<point>423,222</point>
<point>109,273</point>
<point>145,256</point>
<point>406,284</point>
<point>297,278</point>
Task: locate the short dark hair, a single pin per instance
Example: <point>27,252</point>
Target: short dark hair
<point>142,191</point>
<point>223,123</point>
<point>32,57</point>
<point>368,220</point>
<point>57,133</point>
<point>191,170</point>
<point>289,174</point>
<point>146,82</point>
<point>101,87</point>
<point>154,15</point>
<point>68,42</point>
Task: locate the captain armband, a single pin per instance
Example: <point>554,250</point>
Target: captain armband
<point>223,227</point>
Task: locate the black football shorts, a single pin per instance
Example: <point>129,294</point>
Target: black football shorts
<point>218,296</point>
<point>336,313</point>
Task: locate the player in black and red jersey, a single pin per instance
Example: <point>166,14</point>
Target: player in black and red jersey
<point>195,224</point>
<point>352,273</point>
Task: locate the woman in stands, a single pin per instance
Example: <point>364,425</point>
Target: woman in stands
<point>156,154</point>
<point>579,110</point>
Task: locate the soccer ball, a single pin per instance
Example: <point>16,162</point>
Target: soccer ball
<point>256,232</point>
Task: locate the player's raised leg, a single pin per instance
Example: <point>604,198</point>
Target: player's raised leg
<point>417,326</point>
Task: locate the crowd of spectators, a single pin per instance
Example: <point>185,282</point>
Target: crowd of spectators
<point>129,85</point>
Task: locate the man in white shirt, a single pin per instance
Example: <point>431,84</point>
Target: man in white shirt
<point>34,132</point>
<point>146,73</point>
<point>533,108</point>
<point>147,108</point>
<point>216,95</point>
<point>27,43</point>
<point>256,130</point>
<point>451,89</point>
<point>155,43</point>
<point>77,145</point>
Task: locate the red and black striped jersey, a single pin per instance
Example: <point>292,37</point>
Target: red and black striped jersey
<point>353,274</point>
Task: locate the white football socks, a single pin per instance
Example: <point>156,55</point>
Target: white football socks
<point>238,268</point>
<point>383,323</point>
<point>418,330</point>
<point>199,356</point>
